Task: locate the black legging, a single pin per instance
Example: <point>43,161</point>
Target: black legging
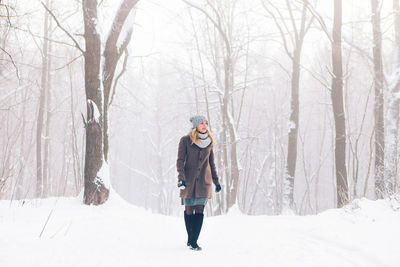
<point>198,209</point>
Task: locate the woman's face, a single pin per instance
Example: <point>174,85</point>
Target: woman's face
<point>202,127</point>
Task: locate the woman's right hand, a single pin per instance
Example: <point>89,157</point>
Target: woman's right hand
<point>181,184</point>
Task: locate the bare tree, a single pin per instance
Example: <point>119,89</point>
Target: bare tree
<point>342,190</point>
<point>7,11</point>
<point>394,103</point>
<point>223,24</point>
<point>112,53</point>
<point>74,142</point>
<point>96,128</point>
<point>378,107</point>
<point>41,182</point>
<point>98,84</point>
<point>292,35</point>
<point>47,177</point>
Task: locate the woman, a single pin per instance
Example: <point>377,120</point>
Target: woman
<point>196,171</point>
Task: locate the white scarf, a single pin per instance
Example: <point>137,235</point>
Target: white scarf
<point>204,140</point>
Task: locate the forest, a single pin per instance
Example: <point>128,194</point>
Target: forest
<point>301,96</point>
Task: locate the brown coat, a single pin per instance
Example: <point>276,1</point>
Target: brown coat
<point>196,167</point>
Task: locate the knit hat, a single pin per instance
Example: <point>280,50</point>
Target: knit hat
<point>196,120</point>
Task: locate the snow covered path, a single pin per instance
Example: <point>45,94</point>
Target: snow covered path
<point>118,234</point>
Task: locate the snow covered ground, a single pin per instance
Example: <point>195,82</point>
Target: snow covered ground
<point>365,233</point>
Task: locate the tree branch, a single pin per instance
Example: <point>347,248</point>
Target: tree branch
<point>119,76</point>
<point>217,25</point>
<point>303,27</point>
<point>359,49</point>
<point>296,33</point>
<point>118,22</point>
<point>280,30</point>
<point>69,63</point>
<point>126,41</point>
<point>8,15</point>
<point>12,61</point>
<point>320,20</point>
<point>283,19</point>
<point>63,29</point>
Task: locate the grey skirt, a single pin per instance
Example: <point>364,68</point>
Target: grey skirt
<point>194,201</point>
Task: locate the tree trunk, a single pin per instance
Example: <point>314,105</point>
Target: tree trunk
<point>112,54</point>
<point>74,140</point>
<point>223,169</point>
<point>97,128</point>
<point>234,171</point>
<point>47,183</point>
<point>23,153</point>
<point>297,34</point>
<point>63,180</point>
<point>394,102</point>
<point>293,132</point>
<point>228,119</point>
<point>378,106</point>
<point>342,190</point>
<point>95,191</point>
<point>42,100</point>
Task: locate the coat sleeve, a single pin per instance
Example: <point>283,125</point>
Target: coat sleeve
<point>180,162</point>
<point>213,169</point>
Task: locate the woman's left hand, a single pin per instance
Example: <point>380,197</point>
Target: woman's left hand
<point>181,184</point>
<point>217,188</point>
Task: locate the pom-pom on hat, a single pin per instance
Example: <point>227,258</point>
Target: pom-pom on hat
<point>196,120</point>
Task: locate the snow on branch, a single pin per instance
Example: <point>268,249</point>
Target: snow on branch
<point>320,20</point>
<point>126,33</point>
<point>119,21</point>
<point>119,76</point>
<point>94,114</point>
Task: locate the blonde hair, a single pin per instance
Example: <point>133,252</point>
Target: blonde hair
<point>194,136</point>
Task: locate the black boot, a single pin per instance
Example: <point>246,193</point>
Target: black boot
<point>197,224</point>
<point>188,224</point>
